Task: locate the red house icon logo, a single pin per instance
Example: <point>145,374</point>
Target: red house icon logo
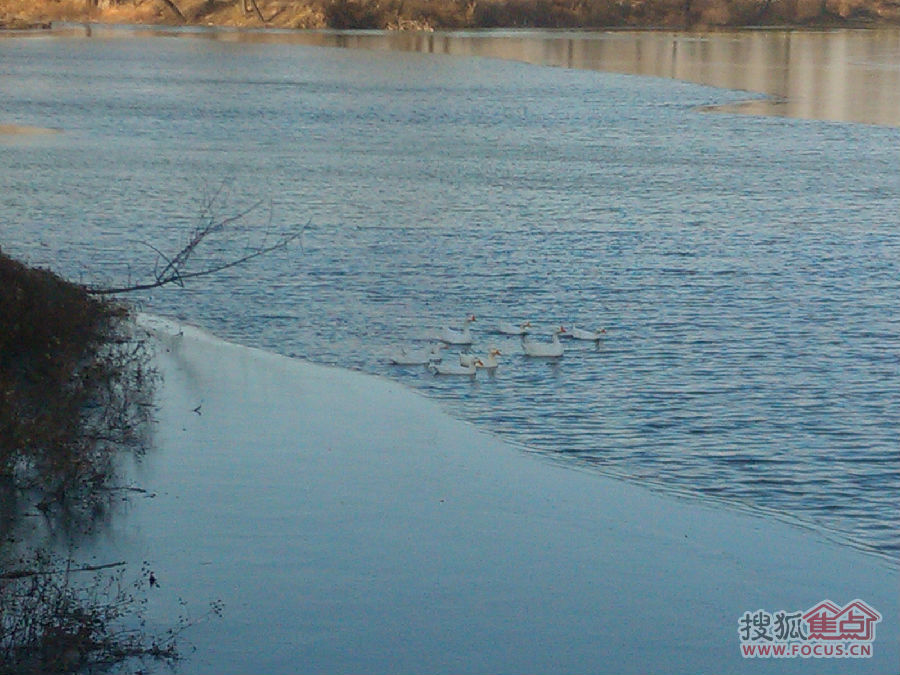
<point>854,621</point>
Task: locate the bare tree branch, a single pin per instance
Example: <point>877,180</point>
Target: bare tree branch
<point>176,268</point>
<point>172,6</point>
<point>258,13</point>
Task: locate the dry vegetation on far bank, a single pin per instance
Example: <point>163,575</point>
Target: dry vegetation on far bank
<point>453,14</point>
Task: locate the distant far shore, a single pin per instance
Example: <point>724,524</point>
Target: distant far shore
<point>454,14</point>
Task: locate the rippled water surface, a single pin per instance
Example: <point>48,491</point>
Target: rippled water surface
<point>747,269</point>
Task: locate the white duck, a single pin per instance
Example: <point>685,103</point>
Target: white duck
<point>582,334</point>
<point>451,369</point>
<point>416,357</point>
<point>456,337</point>
<point>514,329</point>
<point>552,349</point>
<point>488,362</point>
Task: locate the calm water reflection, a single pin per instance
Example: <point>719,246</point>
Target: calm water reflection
<point>846,76</point>
<point>840,75</point>
<point>850,75</point>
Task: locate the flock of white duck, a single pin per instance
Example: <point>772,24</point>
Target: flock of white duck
<point>469,364</point>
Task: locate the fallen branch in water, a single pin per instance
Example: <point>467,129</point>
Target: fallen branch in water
<point>23,574</point>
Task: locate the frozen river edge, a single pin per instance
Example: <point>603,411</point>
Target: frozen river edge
<point>350,525</point>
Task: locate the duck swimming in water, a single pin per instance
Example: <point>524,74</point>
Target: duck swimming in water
<point>416,357</point>
<point>452,369</point>
<point>582,334</point>
<point>513,329</point>
<point>552,349</point>
<point>458,337</point>
<point>488,362</point>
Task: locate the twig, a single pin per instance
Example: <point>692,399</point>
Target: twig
<point>175,269</point>
<point>21,574</point>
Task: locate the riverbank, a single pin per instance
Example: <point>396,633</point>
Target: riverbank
<point>454,14</point>
<point>349,525</point>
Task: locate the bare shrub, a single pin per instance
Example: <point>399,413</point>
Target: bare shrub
<point>75,386</point>
<point>51,622</point>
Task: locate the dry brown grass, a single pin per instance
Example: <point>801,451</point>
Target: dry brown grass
<point>41,11</point>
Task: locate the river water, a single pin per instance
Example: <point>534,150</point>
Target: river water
<point>746,267</point>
